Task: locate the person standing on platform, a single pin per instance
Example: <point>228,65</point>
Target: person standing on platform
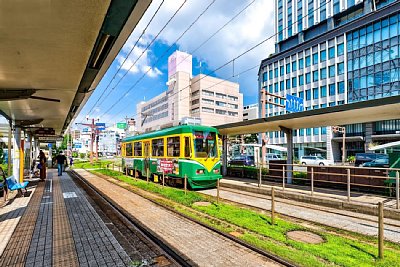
<point>61,160</point>
<point>42,162</point>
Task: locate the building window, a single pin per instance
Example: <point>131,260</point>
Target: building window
<point>301,80</point>
<point>265,76</point>
<point>331,71</point>
<point>195,110</point>
<point>323,55</point>
<point>308,94</point>
<point>207,93</point>
<point>331,52</point>
<point>308,78</point>
<point>208,110</point>
<point>315,131</point>
<point>301,63</point>
<point>219,95</point>
<point>287,84</point>
<point>208,101</point>
<point>301,94</point>
<point>301,132</point>
<point>220,103</point>
<point>288,68</point>
<point>282,86</point>
<point>294,66</point>
<point>294,82</point>
<point>323,91</point>
<point>281,71</point>
<point>315,93</point>
<point>323,73</point>
<point>276,88</point>
<point>233,114</point>
<point>315,58</point>
<point>340,49</point>
<point>196,101</point>
<point>340,87</point>
<point>308,131</point>
<point>332,89</point>
<point>340,68</point>
<point>233,98</point>
<point>276,72</point>
<point>308,61</point>
<point>223,112</point>
<point>315,76</point>
<point>332,104</point>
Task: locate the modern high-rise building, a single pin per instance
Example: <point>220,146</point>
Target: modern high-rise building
<point>331,53</point>
<point>201,99</point>
<point>250,112</point>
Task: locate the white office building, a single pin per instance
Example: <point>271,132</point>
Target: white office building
<point>203,99</point>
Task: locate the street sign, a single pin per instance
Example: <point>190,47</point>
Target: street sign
<point>121,125</point>
<point>101,126</point>
<point>294,103</point>
<point>77,145</point>
<point>49,145</point>
<point>45,132</point>
<point>46,139</point>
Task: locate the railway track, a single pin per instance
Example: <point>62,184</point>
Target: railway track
<point>174,255</point>
<point>166,256</point>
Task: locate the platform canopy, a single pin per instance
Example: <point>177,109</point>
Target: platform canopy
<point>361,112</point>
<point>54,54</point>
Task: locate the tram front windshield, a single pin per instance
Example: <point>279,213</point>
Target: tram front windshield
<point>205,144</point>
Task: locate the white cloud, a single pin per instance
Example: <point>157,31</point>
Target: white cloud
<point>252,26</point>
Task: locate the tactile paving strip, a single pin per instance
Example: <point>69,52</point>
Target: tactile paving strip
<point>18,246</point>
<point>64,252</point>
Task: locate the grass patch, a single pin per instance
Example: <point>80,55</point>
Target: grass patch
<point>99,164</point>
<point>337,250</point>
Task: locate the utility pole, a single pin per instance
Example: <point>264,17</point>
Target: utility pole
<point>93,134</point>
<point>342,130</point>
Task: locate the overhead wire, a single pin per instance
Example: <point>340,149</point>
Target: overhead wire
<point>209,38</point>
<point>230,61</point>
<point>126,58</point>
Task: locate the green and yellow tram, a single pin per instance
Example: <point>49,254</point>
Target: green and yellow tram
<point>185,150</point>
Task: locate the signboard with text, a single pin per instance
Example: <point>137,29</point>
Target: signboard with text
<point>101,126</point>
<point>165,165</point>
<point>294,103</point>
<point>121,125</point>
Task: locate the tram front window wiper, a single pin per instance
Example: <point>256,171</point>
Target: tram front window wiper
<point>211,150</point>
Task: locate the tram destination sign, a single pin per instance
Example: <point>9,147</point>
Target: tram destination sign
<point>45,132</point>
<point>294,103</point>
<point>53,138</point>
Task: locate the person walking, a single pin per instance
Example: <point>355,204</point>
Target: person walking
<point>61,160</point>
<point>42,162</point>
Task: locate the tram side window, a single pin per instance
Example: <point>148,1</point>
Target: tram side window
<point>128,150</point>
<point>138,149</point>
<point>187,147</point>
<point>157,147</point>
<point>174,146</point>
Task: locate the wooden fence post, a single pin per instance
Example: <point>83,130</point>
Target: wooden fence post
<point>348,185</point>
<point>185,183</point>
<point>380,231</point>
<point>273,206</point>
<point>312,181</point>
<point>163,178</point>
<point>148,174</point>
<point>283,177</point>
<point>217,190</point>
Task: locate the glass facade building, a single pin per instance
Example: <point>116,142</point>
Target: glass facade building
<point>331,53</point>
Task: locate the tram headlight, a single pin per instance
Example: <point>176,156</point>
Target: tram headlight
<point>216,171</point>
<point>200,171</point>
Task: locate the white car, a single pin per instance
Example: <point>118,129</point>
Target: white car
<point>314,160</point>
<point>273,156</point>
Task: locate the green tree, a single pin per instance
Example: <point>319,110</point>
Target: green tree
<point>64,143</point>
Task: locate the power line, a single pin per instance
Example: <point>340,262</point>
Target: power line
<point>147,47</point>
<point>162,56</point>
<point>130,52</point>
<point>225,64</point>
<point>222,27</point>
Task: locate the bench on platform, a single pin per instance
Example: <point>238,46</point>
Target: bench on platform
<point>12,184</point>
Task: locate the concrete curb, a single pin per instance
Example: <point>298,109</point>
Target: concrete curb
<point>322,201</point>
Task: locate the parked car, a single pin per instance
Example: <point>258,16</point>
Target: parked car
<point>378,163</point>
<point>242,161</point>
<point>314,160</point>
<point>362,158</point>
<point>273,156</point>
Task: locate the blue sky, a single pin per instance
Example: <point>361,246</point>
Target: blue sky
<point>147,77</point>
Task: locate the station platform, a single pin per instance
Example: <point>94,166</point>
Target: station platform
<point>55,225</point>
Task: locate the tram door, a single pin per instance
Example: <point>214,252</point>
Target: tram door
<point>146,157</point>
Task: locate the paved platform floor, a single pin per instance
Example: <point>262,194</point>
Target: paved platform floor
<point>201,245</point>
<point>56,226</point>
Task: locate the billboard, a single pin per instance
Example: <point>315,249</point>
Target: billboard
<point>121,125</point>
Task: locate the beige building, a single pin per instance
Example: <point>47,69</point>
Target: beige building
<point>202,99</point>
